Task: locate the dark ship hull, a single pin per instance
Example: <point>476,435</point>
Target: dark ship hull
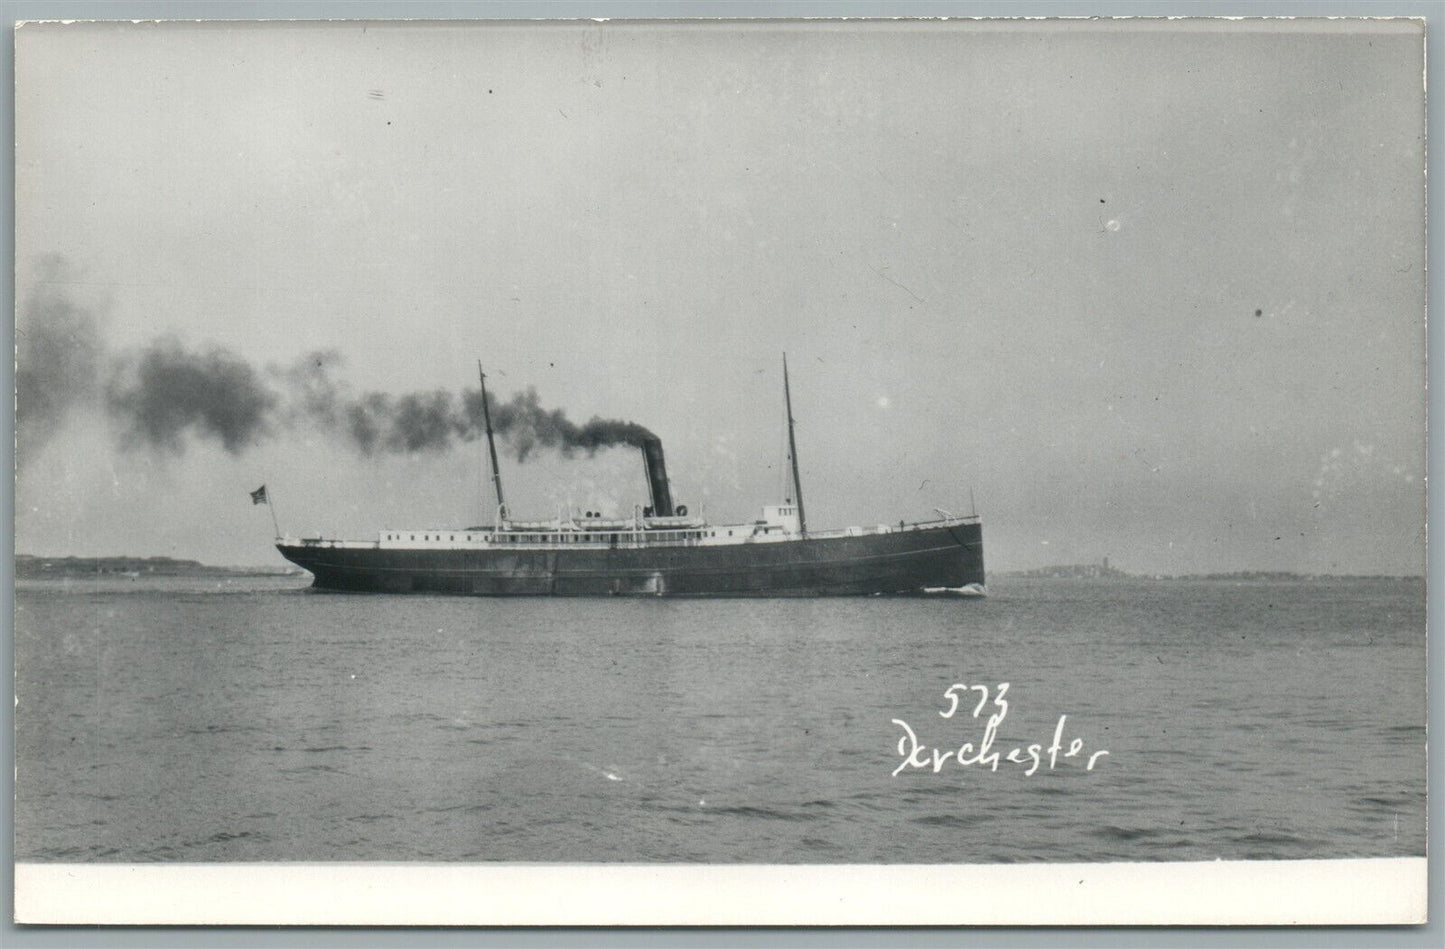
<point>941,556</point>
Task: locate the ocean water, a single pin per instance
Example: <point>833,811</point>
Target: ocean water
<point>256,720</point>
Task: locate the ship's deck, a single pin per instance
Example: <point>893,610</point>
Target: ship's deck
<point>630,536</point>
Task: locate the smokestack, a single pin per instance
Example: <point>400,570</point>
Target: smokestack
<point>657,476</point>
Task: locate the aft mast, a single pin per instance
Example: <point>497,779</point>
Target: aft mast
<point>793,450</point>
<point>492,447</point>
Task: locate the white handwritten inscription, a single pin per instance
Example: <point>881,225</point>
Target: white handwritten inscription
<point>919,756</point>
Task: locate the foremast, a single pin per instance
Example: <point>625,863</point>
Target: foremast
<point>492,447</point>
<point>793,451</point>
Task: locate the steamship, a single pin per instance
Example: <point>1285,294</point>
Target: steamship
<point>660,550</point>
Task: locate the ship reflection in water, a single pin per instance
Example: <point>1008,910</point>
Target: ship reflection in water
<point>660,550</point>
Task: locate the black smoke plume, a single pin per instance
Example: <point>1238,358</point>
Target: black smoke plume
<point>168,392</point>
<point>164,395</point>
<point>58,358</point>
<point>378,423</point>
<point>526,426</point>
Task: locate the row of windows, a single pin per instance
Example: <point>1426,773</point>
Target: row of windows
<point>569,538</point>
<point>466,537</point>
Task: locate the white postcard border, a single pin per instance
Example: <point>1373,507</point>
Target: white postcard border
<point>1259,893</point>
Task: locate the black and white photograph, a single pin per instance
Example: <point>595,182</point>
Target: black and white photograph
<point>835,449</point>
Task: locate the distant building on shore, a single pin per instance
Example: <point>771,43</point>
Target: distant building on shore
<point>1078,571</point>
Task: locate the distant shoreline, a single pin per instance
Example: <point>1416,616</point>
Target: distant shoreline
<point>1096,572</point>
<point>30,567</point>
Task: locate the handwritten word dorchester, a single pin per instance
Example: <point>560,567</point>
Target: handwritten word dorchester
<point>915,754</point>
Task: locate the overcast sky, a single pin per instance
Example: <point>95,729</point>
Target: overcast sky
<point>1151,291</point>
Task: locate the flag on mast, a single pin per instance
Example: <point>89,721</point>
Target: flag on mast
<point>259,496</point>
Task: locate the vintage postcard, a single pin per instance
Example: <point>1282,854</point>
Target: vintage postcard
<point>720,472</point>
